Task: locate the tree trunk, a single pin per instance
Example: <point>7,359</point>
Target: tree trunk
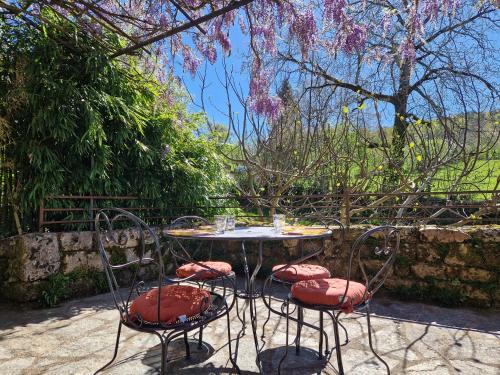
<point>400,125</point>
<point>399,134</point>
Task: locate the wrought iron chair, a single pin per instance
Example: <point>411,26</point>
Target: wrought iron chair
<point>165,309</point>
<point>192,266</point>
<point>334,296</point>
<point>287,274</point>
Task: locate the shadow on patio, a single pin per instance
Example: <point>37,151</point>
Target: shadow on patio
<point>78,338</point>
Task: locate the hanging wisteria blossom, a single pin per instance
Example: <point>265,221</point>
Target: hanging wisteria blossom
<point>194,30</point>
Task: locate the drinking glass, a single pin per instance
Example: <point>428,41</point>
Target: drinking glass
<point>279,222</point>
<point>220,223</point>
<point>230,222</point>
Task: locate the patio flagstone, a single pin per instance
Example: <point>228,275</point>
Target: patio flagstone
<point>414,338</point>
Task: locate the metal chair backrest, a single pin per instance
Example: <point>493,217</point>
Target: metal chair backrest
<point>331,223</point>
<point>383,241</point>
<point>109,224</point>
<point>188,222</point>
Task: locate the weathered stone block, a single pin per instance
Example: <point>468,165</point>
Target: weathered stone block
<point>442,235</point>
<point>408,250</point>
<point>423,270</point>
<point>485,233</point>
<point>465,254</point>
<point>126,238</point>
<point>8,246</point>
<point>81,259</point>
<point>402,270</point>
<point>476,275</point>
<point>427,253</point>
<point>477,297</point>
<point>290,243</point>
<point>497,297</point>
<point>77,241</point>
<point>23,291</point>
<point>373,265</point>
<point>492,258</point>
<point>394,282</point>
<point>38,257</point>
<point>4,265</point>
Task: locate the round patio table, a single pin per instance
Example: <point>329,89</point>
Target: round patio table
<point>259,234</point>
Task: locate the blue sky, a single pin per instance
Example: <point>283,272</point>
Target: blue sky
<point>215,95</point>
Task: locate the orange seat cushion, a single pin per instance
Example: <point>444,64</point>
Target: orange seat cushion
<point>190,269</point>
<point>175,301</point>
<point>299,272</point>
<point>329,292</point>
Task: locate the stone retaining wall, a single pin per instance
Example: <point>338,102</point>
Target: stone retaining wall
<point>446,266</point>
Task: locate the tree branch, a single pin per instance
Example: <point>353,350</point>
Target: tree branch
<point>185,26</point>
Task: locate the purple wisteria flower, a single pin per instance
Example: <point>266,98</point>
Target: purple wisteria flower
<point>431,9</point>
<point>304,29</point>
<point>407,52</point>
<point>191,62</point>
<point>334,10</point>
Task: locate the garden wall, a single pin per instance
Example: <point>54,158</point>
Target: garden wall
<point>441,265</point>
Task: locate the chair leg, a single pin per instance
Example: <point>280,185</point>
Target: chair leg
<point>286,340</point>
<point>163,356</point>
<point>370,339</point>
<point>268,311</point>
<point>116,349</point>
<point>320,349</point>
<point>233,361</point>
<point>268,317</point>
<point>300,318</point>
<point>163,353</point>
<point>345,330</point>
<point>337,347</point>
<point>200,338</point>
<point>241,319</point>
<point>186,344</point>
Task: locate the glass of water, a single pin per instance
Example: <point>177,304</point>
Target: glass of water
<point>220,223</point>
<point>230,222</point>
<point>279,222</point>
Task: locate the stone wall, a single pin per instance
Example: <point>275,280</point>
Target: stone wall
<point>441,265</point>
<point>28,261</point>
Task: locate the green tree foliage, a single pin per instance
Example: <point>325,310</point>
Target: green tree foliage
<point>81,124</point>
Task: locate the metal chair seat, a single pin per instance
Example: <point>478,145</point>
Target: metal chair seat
<point>299,272</point>
<point>176,302</point>
<point>341,294</point>
<point>216,308</point>
<point>200,273</point>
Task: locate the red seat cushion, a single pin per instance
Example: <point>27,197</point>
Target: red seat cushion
<point>175,301</point>
<point>190,269</point>
<point>301,272</point>
<point>329,292</point>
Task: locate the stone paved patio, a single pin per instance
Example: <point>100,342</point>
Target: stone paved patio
<point>78,337</point>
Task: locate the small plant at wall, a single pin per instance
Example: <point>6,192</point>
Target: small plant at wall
<point>77,283</point>
<point>56,291</point>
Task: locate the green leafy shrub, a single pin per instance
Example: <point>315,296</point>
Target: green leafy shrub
<point>80,282</point>
<point>83,124</point>
<point>56,291</point>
